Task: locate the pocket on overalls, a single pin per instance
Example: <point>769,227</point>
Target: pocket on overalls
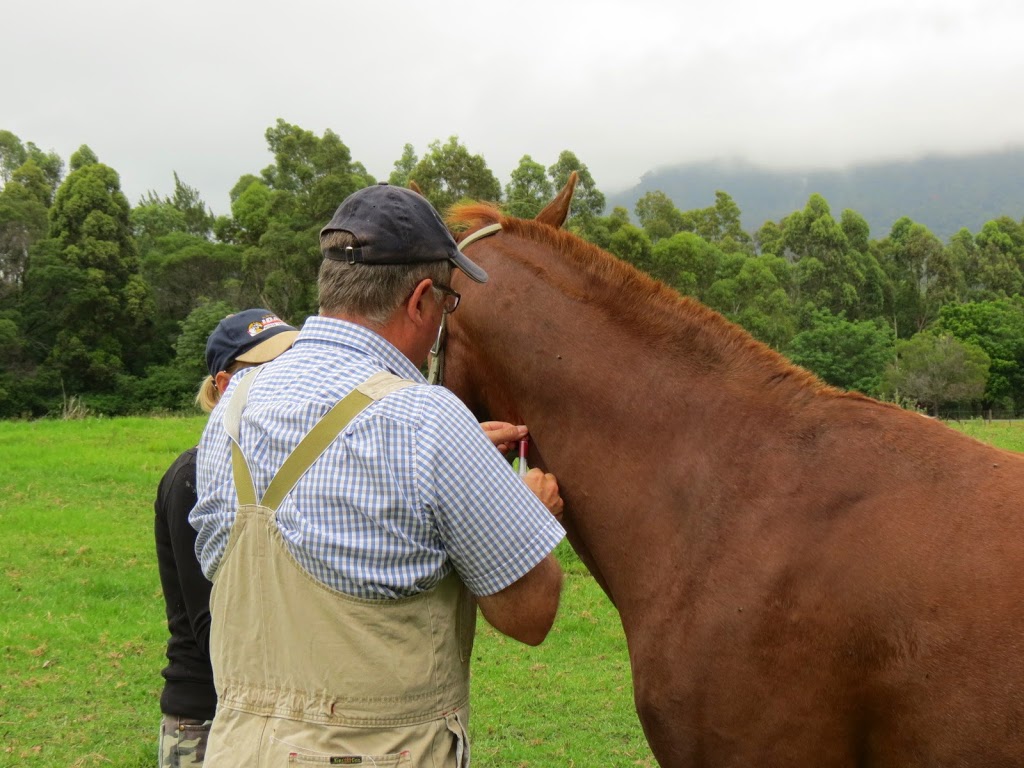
<point>403,758</point>
<point>460,739</point>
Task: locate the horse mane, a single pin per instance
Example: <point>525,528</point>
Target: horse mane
<point>640,301</point>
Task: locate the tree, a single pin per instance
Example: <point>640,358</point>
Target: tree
<point>850,355</point>
<point>963,252</point>
<point>404,167</point>
<point>923,275</point>
<point>448,173</point>
<point>769,239</point>
<point>23,222</point>
<point>719,224</point>
<point>12,155</point>
<point>277,216</point>
<point>658,216</point>
<point>687,262</point>
<point>181,265</point>
<point>172,385</point>
<point>528,190</point>
<point>82,157</point>
<point>87,308</point>
<point>997,327</point>
<point>856,229</point>
<point>830,278</point>
<point>603,227</point>
<point>183,211</point>
<point>750,291</point>
<point>996,268</point>
<point>314,174</point>
<point>935,370</point>
<point>631,244</point>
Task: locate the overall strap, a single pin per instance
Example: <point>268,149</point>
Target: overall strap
<point>323,433</point>
<point>244,486</point>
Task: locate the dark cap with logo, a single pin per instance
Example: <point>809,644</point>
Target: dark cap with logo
<point>251,336</point>
<point>394,225</point>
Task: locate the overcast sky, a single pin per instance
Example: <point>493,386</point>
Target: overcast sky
<point>628,86</point>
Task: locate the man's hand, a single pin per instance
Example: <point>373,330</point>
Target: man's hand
<point>503,435</point>
<point>545,487</point>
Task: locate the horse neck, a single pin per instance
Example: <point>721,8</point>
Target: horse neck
<point>543,335</point>
<point>636,413</point>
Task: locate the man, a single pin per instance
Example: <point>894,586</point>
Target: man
<point>343,600</point>
<point>188,701</point>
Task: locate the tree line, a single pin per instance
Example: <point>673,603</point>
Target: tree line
<point>107,304</point>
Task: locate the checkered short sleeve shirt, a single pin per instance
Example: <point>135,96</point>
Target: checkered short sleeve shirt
<point>411,488</point>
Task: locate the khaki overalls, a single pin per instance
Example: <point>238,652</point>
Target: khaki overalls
<point>307,675</point>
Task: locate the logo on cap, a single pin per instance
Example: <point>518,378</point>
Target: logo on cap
<point>268,321</point>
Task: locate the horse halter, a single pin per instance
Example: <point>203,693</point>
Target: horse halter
<point>435,369</point>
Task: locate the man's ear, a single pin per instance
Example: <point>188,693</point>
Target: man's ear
<point>415,307</point>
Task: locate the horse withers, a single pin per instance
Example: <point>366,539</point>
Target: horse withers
<point>805,576</point>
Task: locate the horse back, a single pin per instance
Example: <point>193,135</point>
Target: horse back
<point>859,601</point>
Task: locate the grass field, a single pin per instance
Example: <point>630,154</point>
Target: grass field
<point>82,629</point>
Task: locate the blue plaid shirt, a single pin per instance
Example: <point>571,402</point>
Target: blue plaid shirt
<point>411,489</point>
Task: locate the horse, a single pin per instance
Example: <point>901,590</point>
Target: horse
<point>805,576</point>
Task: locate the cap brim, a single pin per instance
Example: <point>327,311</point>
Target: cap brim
<point>474,272</point>
<point>267,350</point>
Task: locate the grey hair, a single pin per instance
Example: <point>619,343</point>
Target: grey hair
<point>370,291</point>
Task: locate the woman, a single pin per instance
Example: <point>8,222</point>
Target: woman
<point>188,700</point>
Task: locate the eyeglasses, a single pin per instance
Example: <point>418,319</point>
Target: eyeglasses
<point>451,298</point>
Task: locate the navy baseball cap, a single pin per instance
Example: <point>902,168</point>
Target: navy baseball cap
<point>251,336</point>
<point>394,225</point>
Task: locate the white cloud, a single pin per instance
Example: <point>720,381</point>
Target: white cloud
<point>628,86</point>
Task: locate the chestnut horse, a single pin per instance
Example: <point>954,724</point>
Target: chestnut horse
<point>805,576</point>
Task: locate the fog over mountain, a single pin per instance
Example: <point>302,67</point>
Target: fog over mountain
<point>945,193</point>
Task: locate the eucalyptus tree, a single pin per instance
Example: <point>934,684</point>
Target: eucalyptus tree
<point>23,222</point>
<point>276,216</point>
<point>528,190</point>
<point>752,291</point>
<point>404,167</point>
<point>181,263</point>
<point>845,353</point>
<point>658,215</point>
<point>688,263</point>
<point>998,265</point>
<point>923,275</point>
<point>997,327</point>
<point>720,224</point>
<point>449,173</point>
<point>826,272</point>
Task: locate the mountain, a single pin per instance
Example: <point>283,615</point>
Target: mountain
<point>945,193</point>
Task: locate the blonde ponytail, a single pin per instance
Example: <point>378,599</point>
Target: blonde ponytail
<point>208,394</point>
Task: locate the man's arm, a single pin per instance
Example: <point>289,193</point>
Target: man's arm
<point>499,530</point>
<point>525,610</point>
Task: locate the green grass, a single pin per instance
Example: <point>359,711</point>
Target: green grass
<point>82,629</point>
<point>1004,434</point>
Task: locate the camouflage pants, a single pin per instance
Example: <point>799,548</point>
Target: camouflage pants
<point>183,741</point>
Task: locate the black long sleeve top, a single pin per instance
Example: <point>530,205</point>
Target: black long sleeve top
<point>188,687</point>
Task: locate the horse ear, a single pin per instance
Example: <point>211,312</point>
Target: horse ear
<point>416,188</point>
<point>557,211</point>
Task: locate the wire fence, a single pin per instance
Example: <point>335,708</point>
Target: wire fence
<point>978,414</point>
